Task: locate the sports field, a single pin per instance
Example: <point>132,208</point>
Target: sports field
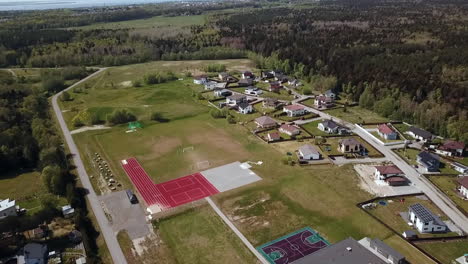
<point>320,196</point>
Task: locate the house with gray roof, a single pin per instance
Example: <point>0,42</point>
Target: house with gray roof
<point>420,134</point>
<point>309,152</point>
<point>429,161</point>
<point>350,251</point>
<point>424,220</point>
<point>33,253</point>
<point>350,145</point>
<point>331,127</point>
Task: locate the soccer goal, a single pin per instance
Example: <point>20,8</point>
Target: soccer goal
<point>187,149</point>
<point>203,164</point>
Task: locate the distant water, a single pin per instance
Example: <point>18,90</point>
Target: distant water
<point>54,4</point>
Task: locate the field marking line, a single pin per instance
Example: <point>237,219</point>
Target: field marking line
<point>237,232</point>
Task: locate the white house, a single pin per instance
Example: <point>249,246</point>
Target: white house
<point>309,152</point>
<point>420,134</point>
<point>211,85</point>
<point>253,91</point>
<point>424,220</point>
<point>451,148</point>
<point>290,130</point>
<point>463,188</point>
<point>386,132</point>
<point>200,79</point>
<point>294,110</point>
<point>331,127</point>
<point>236,99</point>
<point>244,108</point>
<point>390,175</point>
<point>463,169</point>
<point>330,94</point>
<point>222,92</point>
<point>265,122</point>
<point>7,208</point>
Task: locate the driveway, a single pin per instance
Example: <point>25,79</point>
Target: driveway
<point>104,226</point>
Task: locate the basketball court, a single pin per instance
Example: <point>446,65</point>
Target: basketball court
<point>292,247</point>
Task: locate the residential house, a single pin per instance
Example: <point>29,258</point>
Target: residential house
<point>251,90</point>
<point>7,208</point>
<point>294,110</point>
<point>223,76</point>
<point>429,161</point>
<point>245,82</point>
<point>33,253</point>
<point>350,145</point>
<point>267,74</point>
<point>276,73</point>
<point>309,152</point>
<point>390,175</point>
<point>222,92</point>
<point>350,251</point>
<point>331,127</point>
<point>281,78</point>
<point>244,108</point>
<point>271,103</point>
<point>273,136</point>
<point>294,82</point>
<point>462,259</point>
<point>463,188</point>
<point>329,94</point>
<point>451,148</point>
<point>420,134</point>
<point>212,85</point>
<point>322,101</point>
<point>424,220</point>
<point>81,260</point>
<point>290,130</point>
<point>68,211</point>
<point>463,169</point>
<point>265,122</point>
<point>200,79</point>
<point>275,87</point>
<point>386,132</point>
<point>236,99</point>
<point>247,75</point>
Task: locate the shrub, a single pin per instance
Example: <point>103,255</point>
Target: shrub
<point>157,116</point>
<point>307,91</point>
<point>120,117</point>
<point>136,83</point>
<point>215,67</point>
<point>65,96</point>
<point>231,119</point>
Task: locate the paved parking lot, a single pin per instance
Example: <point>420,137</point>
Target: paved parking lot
<point>125,215</point>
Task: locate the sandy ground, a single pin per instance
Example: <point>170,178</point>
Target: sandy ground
<point>87,128</point>
<point>368,184</point>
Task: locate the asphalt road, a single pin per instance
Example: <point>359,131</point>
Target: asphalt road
<point>431,191</point>
<point>104,226</point>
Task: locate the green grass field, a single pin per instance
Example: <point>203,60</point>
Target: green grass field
<point>322,197</point>
<point>157,21</point>
<point>313,129</point>
<point>357,114</point>
<point>200,236</point>
<point>451,250</point>
<point>448,185</point>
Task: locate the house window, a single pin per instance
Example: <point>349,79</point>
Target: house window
<point>426,223</point>
<point>426,228</point>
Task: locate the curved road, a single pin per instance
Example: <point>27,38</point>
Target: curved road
<point>106,229</point>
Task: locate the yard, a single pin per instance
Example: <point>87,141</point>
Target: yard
<point>312,128</point>
<point>330,146</point>
<point>279,114</point>
<point>448,185</point>
<point>410,155</point>
<point>451,250</point>
<point>376,134</point>
<point>200,236</point>
<point>357,115</point>
<point>389,213</point>
<point>321,196</point>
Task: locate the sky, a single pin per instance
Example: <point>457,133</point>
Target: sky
<point>50,4</point>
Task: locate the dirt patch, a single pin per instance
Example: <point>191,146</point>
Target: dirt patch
<point>126,84</point>
<point>61,227</point>
<point>161,146</point>
<point>218,138</point>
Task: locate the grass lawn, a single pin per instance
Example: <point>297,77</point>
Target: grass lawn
<point>313,129</point>
<point>463,160</point>
<point>332,144</point>
<point>288,198</point>
<point>245,118</point>
<point>157,21</point>
<point>451,250</point>
<point>409,155</point>
<point>259,108</point>
<point>309,102</point>
<point>389,214</point>
<point>376,134</point>
<point>280,115</point>
<point>448,185</point>
<point>357,114</point>
<point>200,236</point>
<point>402,128</point>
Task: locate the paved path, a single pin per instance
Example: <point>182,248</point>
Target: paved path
<point>105,228</point>
<point>237,232</point>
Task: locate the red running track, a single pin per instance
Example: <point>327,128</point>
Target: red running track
<point>171,193</point>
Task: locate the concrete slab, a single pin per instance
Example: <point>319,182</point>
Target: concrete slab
<point>125,215</point>
<point>230,176</point>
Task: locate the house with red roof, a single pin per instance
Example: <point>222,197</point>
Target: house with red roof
<point>247,75</point>
<point>451,148</point>
<point>273,136</point>
<point>390,175</point>
<point>386,132</point>
<point>275,87</point>
<point>294,110</point>
<point>463,188</point>
<point>290,130</point>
